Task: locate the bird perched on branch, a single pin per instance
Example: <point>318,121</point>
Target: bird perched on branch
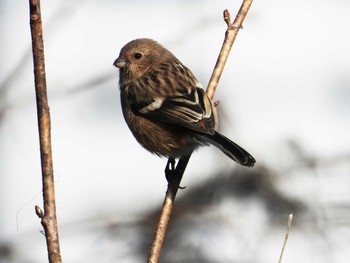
<point>164,105</point>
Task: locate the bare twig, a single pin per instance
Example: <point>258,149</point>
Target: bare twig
<point>230,36</point>
<point>177,174</point>
<point>290,218</point>
<point>48,217</point>
<point>173,186</point>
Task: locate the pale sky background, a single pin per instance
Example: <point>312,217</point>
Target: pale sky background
<point>287,79</point>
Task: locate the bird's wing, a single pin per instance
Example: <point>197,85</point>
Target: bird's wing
<point>191,109</point>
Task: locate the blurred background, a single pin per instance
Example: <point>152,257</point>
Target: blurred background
<point>285,97</point>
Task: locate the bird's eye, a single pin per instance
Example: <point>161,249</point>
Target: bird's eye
<point>137,55</point>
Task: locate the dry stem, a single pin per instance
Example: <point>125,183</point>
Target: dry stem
<point>173,185</point>
<point>230,36</point>
<point>290,218</point>
<point>48,217</point>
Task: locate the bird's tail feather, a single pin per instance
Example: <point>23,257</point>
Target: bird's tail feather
<point>231,149</point>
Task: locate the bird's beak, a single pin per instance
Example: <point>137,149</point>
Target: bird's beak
<point>119,63</point>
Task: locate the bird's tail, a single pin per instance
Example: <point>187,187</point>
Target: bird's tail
<point>231,149</point>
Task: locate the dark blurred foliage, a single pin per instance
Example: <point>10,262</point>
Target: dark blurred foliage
<point>199,212</point>
<point>6,252</point>
<point>197,201</point>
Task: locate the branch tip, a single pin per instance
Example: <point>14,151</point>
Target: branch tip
<point>227,18</point>
<point>39,212</point>
<point>34,5</point>
<point>290,219</point>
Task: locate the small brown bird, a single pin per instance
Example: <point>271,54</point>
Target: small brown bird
<point>164,105</point>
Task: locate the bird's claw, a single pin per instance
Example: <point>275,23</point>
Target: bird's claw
<point>170,171</point>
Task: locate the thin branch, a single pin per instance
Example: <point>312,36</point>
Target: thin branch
<point>173,186</point>
<point>176,176</point>
<point>230,36</point>
<point>290,218</point>
<point>48,217</point>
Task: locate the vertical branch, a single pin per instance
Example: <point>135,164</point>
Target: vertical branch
<point>48,217</point>
<point>176,176</point>
<point>230,36</point>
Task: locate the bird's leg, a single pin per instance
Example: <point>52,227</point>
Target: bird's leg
<point>170,169</point>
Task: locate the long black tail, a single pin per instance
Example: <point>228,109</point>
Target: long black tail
<point>231,149</point>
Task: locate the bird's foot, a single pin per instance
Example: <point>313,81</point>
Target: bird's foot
<point>170,171</point>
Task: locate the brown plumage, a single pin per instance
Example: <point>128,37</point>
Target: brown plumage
<point>164,105</point>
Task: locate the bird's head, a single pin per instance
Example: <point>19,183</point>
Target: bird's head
<point>137,57</point>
